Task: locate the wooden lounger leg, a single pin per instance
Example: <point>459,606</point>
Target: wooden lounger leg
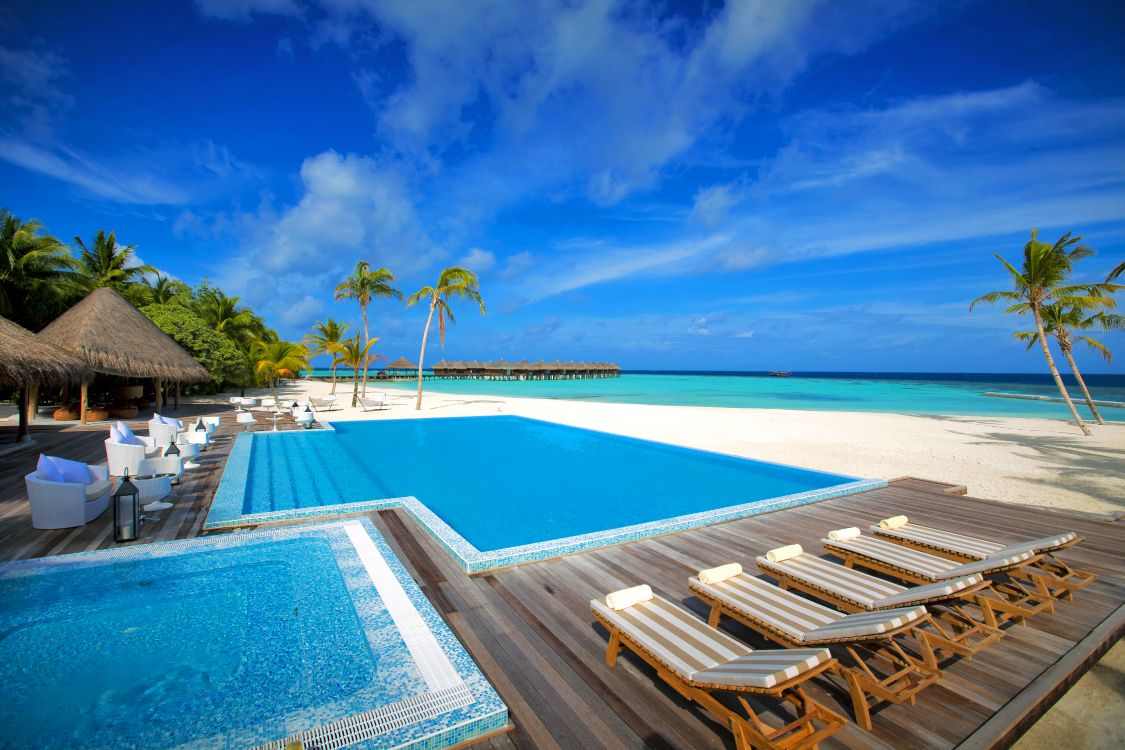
<point>866,687</point>
<point>613,649</point>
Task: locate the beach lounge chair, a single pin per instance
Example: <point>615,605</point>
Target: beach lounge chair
<point>1015,601</point>
<point>954,629</point>
<point>880,670</point>
<point>1062,579</point>
<point>323,404</point>
<point>697,661</point>
<point>374,402</point>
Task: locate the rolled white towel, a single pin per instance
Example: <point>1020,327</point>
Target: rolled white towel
<point>720,573</point>
<point>781,554</point>
<point>893,522</point>
<point>843,535</point>
<point>626,598</point>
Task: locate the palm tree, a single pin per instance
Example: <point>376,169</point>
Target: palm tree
<point>454,283</point>
<point>224,314</point>
<point>162,290</point>
<point>363,286</point>
<point>1038,283</point>
<point>1116,272</point>
<point>325,339</point>
<point>354,354</point>
<point>106,263</point>
<point>278,359</point>
<point>1062,317</point>
<point>36,273</point>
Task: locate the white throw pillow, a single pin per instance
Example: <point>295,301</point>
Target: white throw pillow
<point>127,436</point>
<point>47,471</point>
<point>72,471</point>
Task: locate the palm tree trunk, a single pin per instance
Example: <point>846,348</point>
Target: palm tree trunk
<point>333,380</point>
<point>1082,384</point>
<point>366,341</point>
<point>1055,372</point>
<point>422,354</point>
<point>355,388</point>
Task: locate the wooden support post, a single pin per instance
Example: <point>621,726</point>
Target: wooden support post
<point>22,435</point>
<point>32,402</point>
<point>177,395</point>
<point>158,404</point>
<point>83,404</point>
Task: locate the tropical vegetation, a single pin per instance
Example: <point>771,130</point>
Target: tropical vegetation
<point>365,285</point>
<point>278,360</point>
<point>355,354</point>
<point>37,273</point>
<point>454,283</point>
<point>1041,282</point>
<point>326,338</point>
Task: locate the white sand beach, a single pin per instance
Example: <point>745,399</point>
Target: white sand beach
<point>1039,462</point>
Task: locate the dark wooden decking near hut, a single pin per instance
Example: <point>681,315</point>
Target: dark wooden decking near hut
<point>530,630</point>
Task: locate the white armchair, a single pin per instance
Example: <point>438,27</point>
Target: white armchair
<point>212,423</point>
<point>173,465</point>
<point>63,505</point>
<point>162,433</point>
<point>122,456</point>
<point>193,437</point>
<point>305,419</point>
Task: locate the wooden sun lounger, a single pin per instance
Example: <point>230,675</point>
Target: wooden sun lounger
<point>954,630</point>
<point>1014,600</point>
<point>1062,580</point>
<point>697,661</point>
<point>881,671</point>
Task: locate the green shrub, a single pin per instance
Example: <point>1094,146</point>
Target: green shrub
<point>216,352</point>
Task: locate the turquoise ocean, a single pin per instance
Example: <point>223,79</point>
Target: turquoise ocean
<point>902,393</point>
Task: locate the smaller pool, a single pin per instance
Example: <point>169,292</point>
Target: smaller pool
<point>236,641</point>
<point>501,490</point>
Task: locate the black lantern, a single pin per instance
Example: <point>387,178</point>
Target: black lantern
<point>199,426</point>
<point>126,511</point>
<point>172,449</point>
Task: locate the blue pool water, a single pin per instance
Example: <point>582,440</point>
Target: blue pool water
<point>232,642</point>
<point>902,393</point>
<point>507,481</point>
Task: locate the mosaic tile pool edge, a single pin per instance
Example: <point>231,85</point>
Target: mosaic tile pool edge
<point>468,557</point>
<point>486,714</point>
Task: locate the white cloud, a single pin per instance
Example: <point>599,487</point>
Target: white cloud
<point>711,205</point>
<point>244,10</point>
<point>302,312</point>
<point>517,264</point>
<point>478,260</point>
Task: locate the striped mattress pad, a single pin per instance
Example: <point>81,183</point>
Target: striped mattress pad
<point>923,564</point>
<point>971,546</point>
<point>863,589</point>
<point>703,655</point>
<point>802,620</point>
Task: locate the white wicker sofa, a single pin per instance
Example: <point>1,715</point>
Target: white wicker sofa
<point>62,505</point>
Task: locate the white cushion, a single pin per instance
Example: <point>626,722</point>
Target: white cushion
<point>127,436</point>
<point>96,489</point>
<point>72,471</point>
<point>47,471</point>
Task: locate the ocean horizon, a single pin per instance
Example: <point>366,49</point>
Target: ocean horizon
<point>929,394</point>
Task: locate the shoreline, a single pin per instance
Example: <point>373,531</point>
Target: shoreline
<point>1030,461</point>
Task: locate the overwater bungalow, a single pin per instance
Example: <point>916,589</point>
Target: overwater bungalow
<point>525,370</point>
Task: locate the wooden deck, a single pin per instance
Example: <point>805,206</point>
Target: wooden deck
<point>530,630</point>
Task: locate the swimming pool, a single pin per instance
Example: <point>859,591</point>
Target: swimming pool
<point>239,640</point>
<point>501,490</point>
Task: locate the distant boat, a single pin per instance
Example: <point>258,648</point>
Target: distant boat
<point>780,373</point>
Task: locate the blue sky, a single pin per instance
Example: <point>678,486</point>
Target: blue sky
<point>801,185</point>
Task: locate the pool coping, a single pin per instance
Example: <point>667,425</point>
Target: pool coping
<point>231,493</point>
<point>484,714</point>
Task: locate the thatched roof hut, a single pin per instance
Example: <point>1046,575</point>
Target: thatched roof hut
<point>115,338</point>
<point>402,363</point>
<point>26,359</point>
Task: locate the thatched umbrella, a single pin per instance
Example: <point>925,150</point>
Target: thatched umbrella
<point>114,338</point>
<point>400,364</point>
<point>26,360</point>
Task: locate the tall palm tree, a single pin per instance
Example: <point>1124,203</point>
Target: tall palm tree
<point>455,282</point>
<point>1065,316</point>
<point>365,285</point>
<point>1038,283</point>
<point>36,273</point>
<point>106,263</point>
<point>276,360</point>
<point>325,339</point>
<point>355,354</point>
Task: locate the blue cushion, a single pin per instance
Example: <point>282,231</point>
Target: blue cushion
<point>127,436</point>
<point>47,471</point>
<point>72,471</point>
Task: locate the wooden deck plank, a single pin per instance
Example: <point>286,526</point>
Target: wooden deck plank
<point>530,630</point>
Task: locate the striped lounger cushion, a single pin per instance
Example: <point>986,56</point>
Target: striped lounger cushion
<point>803,620</point>
<point>923,564</point>
<point>970,546</point>
<point>862,589</point>
<point>701,654</point>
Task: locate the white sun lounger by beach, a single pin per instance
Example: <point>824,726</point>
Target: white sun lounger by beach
<point>1063,579</point>
<point>374,402</point>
